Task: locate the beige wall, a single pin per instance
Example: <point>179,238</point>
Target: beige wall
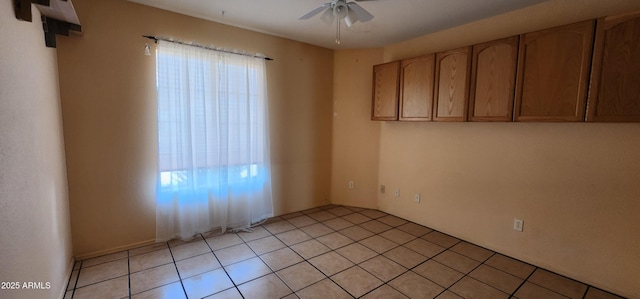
<point>35,235</point>
<point>574,185</point>
<point>355,137</point>
<point>109,111</point>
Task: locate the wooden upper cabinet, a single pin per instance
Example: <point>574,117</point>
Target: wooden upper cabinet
<point>416,88</point>
<point>615,75</point>
<point>451,92</point>
<point>553,68</point>
<point>385,91</point>
<point>493,80</point>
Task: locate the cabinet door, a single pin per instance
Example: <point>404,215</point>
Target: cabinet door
<point>385,91</point>
<point>416,88</point>
<point>493,80</point>
<point>452,85</point>
<point>615,76</point>
<point>553,66</point>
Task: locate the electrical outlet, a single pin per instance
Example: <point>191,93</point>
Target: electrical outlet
<point>397,193</point>
<point>518,224</point>
<point>382,189</point>
<point>351,185</point>
<point>416,198</point>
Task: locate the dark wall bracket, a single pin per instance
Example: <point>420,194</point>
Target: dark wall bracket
<point>51,26</point>
<point>23,8</point>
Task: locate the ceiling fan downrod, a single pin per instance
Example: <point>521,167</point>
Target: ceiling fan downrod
<point>338,32</point>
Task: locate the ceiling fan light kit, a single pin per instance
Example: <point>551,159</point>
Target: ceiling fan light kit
<point>350,12</point>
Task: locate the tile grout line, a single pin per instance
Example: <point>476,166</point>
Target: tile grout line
<point>175,265</point>
<point>386,282</point>
<point>523,282</point>
<point>496,253</point>
<point>505,272</point>
<point>222,266</point>
<point>463,276</point>
<point>433,259</point>
<point>259,258</point>
<point>100,281</point>
<point>410,269</point>
<point>289,247</point>
<point>105,280</point>
<point>550,290</point>
<point>482,282</point>
<point>354,242</point>
<point>304,259</point>
<point>75,284</point>
<point>307,260</point>
<point>314,266</point>
<point>153,267</point>
<point>407,269</point>
<point>354,264</point>
<point>129,273</point>
<point>66,289</point>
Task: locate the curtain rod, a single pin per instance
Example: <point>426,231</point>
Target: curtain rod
<point>156,39</point>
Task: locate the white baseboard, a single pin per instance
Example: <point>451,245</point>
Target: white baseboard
<point>65,280</point>
<point>114,249</point>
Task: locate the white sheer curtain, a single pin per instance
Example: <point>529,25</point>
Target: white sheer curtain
<point>213,145</point>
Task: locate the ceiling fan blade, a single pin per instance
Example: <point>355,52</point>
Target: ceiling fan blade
<point>327,17</point>
<point>361,13</point>
<point>350,18</point>
<point>315,11</point>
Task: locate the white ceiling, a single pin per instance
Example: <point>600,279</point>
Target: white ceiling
<point>394,20</point>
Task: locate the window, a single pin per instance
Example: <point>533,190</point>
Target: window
<point>213,147</point>
<point>237,93</point>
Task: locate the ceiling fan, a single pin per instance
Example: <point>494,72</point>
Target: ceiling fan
<point>350,12</point>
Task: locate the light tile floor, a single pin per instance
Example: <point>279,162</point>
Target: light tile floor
<point>327,252</point>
